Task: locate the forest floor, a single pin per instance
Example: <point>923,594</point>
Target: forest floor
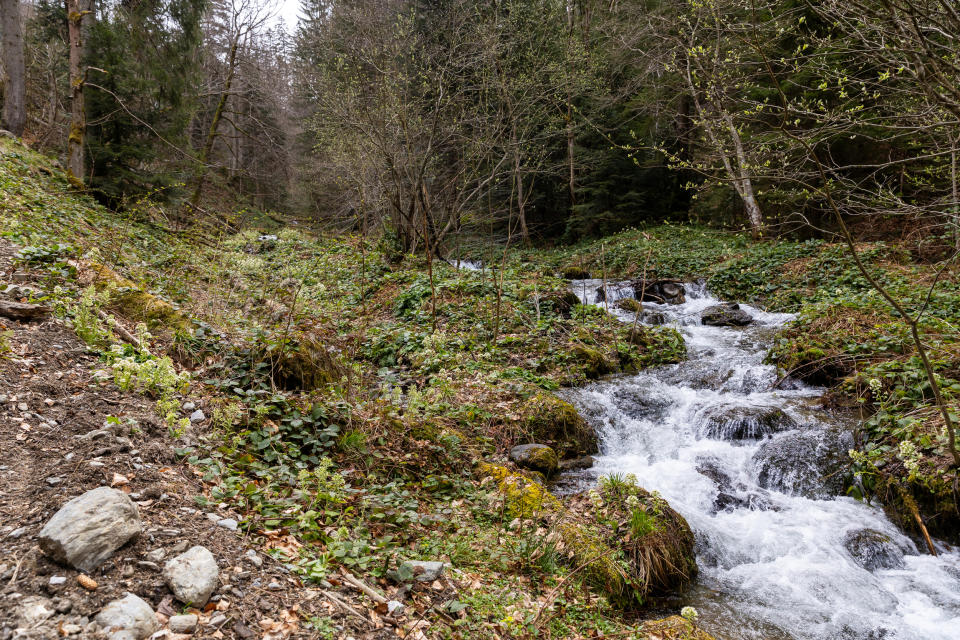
<point>353,404</point>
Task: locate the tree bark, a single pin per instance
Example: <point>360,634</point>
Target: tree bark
<point>77,11</point>
<point>14,83</point>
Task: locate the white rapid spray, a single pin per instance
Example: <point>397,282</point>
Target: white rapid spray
<point>756,472</point>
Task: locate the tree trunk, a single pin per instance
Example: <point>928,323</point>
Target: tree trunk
<point>77,11</point>
<point>11,32</point>
<point>754,215</point>
<point>215,124</point>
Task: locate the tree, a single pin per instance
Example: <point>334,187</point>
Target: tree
<point>142,84</point>
<point>233,25</point>
<point>78,12</point>
<point>14,71</point>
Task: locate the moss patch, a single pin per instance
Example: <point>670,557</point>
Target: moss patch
<point>548,419</point>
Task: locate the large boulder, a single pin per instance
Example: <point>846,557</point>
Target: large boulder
<point>88,529</point>
<point>192,576</point>
<point>728,314</point>
<point>804,463</point>
<point>872,549</point>
<point>660,291</point>
<point>536,457</point>
<point>744,423</point>
<point>128,618</point>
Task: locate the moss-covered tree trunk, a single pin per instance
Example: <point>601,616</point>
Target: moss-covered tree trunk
<point>78,12</point>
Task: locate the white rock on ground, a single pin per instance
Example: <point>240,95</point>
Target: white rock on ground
<point>129,618</point>
<point>88,529</point>
<point>192,576</point>
<point>183,624</point>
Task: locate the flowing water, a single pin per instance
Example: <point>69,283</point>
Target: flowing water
<point>756,472</point>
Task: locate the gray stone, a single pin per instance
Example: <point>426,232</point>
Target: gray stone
<point>253,558</point>
<point>183,624</point>
<point>228,523</point>
<point>33,610</point>
<point>129,618</point>
<point>88,529</point>
<point>274,586</point>
<point>192,576</point>
<point>57,580</point>
<point>395,607</point>
<point>19,532</point>
<point>157,555</point>
<point>54,481</point>
<point>728,314</point>
<point>538,457</point>
<point>872,550</point>
<point>189,406</point>
<point>420,571</point>
<point>197,416</point>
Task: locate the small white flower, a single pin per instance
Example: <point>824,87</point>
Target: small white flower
<point>689,613</point>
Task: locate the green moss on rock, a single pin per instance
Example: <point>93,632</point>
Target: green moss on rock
<point>593,362</point>
<point>574,272</point>
<point>547,418</point>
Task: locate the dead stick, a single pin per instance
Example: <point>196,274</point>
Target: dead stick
<point>370,591</point>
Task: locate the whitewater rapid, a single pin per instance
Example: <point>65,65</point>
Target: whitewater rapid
<point>757,472</point>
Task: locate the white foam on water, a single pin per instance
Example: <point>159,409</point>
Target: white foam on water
<point>771,530</point>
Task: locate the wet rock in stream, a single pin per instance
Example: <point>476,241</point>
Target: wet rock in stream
<point>803,463</point>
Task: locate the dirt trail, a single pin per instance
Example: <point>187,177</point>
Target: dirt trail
<point>65,428</point>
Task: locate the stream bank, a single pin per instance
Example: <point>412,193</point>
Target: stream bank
<point>757,472</point>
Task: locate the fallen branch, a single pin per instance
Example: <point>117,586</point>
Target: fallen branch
<point>125,335</point>
<point>355,582</point>
<point>346,607</point>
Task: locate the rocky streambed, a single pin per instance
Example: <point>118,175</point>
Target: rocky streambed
<point>756,469</point>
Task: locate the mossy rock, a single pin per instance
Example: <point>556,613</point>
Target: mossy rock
<point>547,418</point>
<point>633,544</point>
<point>673,628</point>
<point>593,361</point>
<point>562,302</point>
<point>132,302</point>
<point>308,363</point>
<point>574,272</point>
<point>523,496</point>
<point>629,304</point>
<point>536,457</point>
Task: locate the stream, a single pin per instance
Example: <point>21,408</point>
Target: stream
<point>757,472</point>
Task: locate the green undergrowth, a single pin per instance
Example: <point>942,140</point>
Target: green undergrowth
<point>349,395</point>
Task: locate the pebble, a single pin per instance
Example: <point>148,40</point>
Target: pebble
<point>49,402</point>
<point>395,607</point>
<point>57,580</point>
<point>192,576</point>
<point>19,532</point>
<point>217,620</point>
<point>189,406</point>
<point>156,555</point>
<point>97,463</point>
<point>183,624</point>
<point>197,416</point>
<point>228,523</point>
<point>70,629</point>
<point>274,586</point>
<point>128,619</point>
<point>23,406</point>
<point>146,564</point>
<point>253,558</point>
<point>70,456</point>
<point>54,481</point>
